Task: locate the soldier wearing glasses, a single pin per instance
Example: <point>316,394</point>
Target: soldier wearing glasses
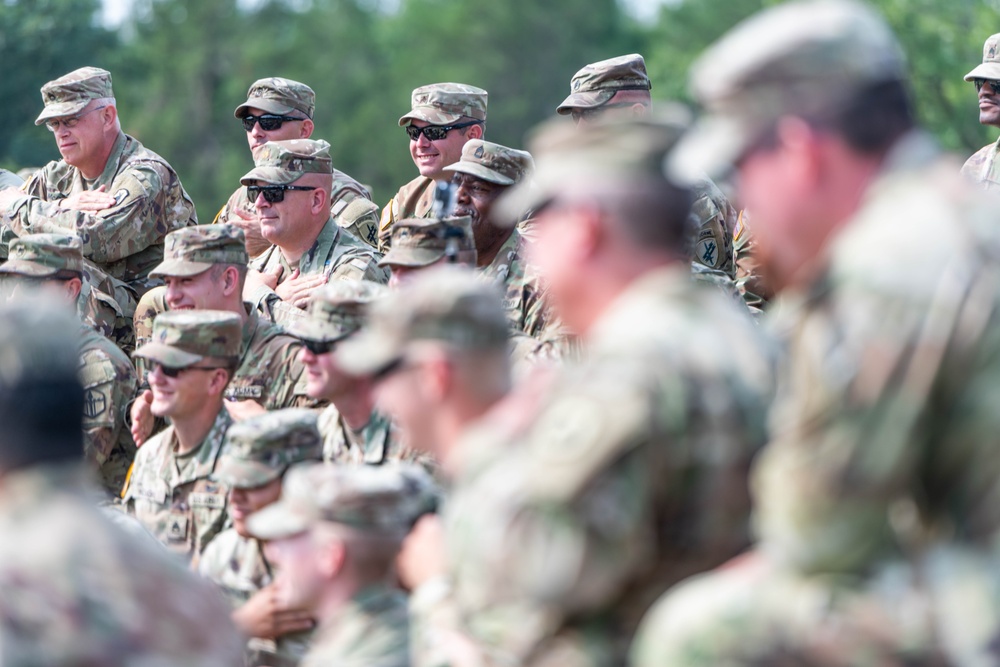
<point>120,198</point>
<point>442,118</point>
<point>982,166</point>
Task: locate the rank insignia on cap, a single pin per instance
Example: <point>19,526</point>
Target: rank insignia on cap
<point>479,152</point>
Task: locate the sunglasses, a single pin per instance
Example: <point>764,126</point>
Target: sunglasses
<point>274,193</point>
<point>318,347</point>
<point>979,83</point>
<point>268,121</point>
<point>591,114</point>
<point>69,123</point>
<point>436,132</point>
<point>172,372</point>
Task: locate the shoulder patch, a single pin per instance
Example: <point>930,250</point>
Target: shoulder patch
<point>100,371</point>
<point>120,196</point>
<point>95,403</point>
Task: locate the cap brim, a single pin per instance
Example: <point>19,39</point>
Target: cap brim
<point>984,71</point>
<point>277,521</point>
<point>367,353</point>
<point>431,115</point>
<point>309,329</point>
<point>481,172</point>
<point>61,109</point>
<point>21,267</point>
<point>241,474</point>
<point>518,199</point>
<point>270,106</point>
<point>584,100</point>
<point>413,257</point>
<point>179,267</point>
<point>709,149</point>
<point>167,355</point>
<point>273,175</point>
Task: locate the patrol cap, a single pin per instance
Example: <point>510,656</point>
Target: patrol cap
<point>260,449</point>
<point>990,67</point>
<point>336,310</point>
<point>493,162</point>
<point>193,250</point>
<point>43,255</point>
<point>418,242</point>
<point>797,58</point>
<point>598,82</point>
<point>448,304</point>
<point>69,94</point>
<point>444,103</point>
<point>385,500</point>
<point>279,96</point>
<point>182,338</point>
<point>283,162</point>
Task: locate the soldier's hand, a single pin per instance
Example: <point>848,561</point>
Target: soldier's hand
<point>142,418</point>
<point>257,278</point>
<point>297,288</point>
<point>250,224</point>
<point>88,200</point>
<point>422,555</point>
<point>264,615</point>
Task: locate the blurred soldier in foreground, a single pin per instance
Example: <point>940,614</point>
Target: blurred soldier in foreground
<point>191,358</point>
<point>280,109</point>
<point>52,264</point>
<point>334,536</point>
<point>120,198</point>
<point>290,186</point>
<point>76,589</point>
<point>419,243</point>
<point>982,167</point>
<point>884,431</point>
<point>256,455</point>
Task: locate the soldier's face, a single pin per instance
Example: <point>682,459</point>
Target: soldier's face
<point>281,222</point>
<point>182,396</point>
<point>199,292</point>
<point>244,502</point>
<point>431,157</point>
<point>989,103</point>
<point>554,248</point>
<point>298,560</point>
<point>324,379</point>
<point>80,144</point>
<point>406,395</point>
<point>290,129</point>
<point>475,198</point>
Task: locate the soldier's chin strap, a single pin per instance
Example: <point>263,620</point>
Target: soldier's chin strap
<point>443,206</point>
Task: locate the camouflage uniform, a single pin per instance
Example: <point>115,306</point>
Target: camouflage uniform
<point>258,451</point>
<point>982,167</point>
<point>336,254</point>
<point>594,85</point>
<point>126,240</point>
<point>420,242</point>
<point>437,104</point>
<point>173,494</point>
<point>756,293</point>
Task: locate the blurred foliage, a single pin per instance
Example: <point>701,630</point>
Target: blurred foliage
<point>181,67</point>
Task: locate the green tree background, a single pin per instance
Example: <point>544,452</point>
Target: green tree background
<point>180,67</point>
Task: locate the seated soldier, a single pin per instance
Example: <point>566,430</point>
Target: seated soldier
<point>417,243</point>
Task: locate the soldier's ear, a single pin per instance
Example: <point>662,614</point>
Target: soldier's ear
<point>307,129</point>
<point>73,288</point>
<point>475,132</point>
<point>230,280</point>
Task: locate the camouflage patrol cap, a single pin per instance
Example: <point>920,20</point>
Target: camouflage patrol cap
<point>43,255</point>
<point>385,500</point>
<point>193,250</point>
<point>802,58</point>
<point>182,338</point>
<point>278,96</point>
<point>493,162</point>
<point>447,304</point>
<point>69,94</point>
<point>336,310</point>
<point>260,449</point>
<point>990,67</point>
<point>444,103</point>
<point>283,162</point>
<point>598,82</point>
<point>418,242</point>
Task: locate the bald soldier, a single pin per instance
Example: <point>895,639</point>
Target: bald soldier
<point>982,166</point>
<point>119,197</point>
<point>442,118</point>
<point>279,109</point>
<point>290,186</point>
<point>874,496</point>
<point>420,243</point>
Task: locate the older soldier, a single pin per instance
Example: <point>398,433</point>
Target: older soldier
<point>982,166</point>
<point>170,490</point>
<point>290,187</point>
<point>205,269</point>
<point>119,197</point>
<point>334,536</point>
<point>442,118</point>
<point>884,436</point>
<point>419,243</point>
<point>54,264</point>
<point>256,455</point>
<point>279,109</point>
<point>77,589</point>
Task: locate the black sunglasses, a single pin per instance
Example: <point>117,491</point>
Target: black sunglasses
<point>268,121</point>
<point>594,112</point>
<point>318,347</point>
<point>436,132</point>
<point>172,372</point>
<point>273,193</point>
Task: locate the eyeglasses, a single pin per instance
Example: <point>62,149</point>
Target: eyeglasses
<point>172,372</point>
<point>994,84</point>
<point>436,132</point>
<point>273,193</point>
<point>592,113</point>
<point>318,347</point>
<point>69,123</point>
<point>268,121</point>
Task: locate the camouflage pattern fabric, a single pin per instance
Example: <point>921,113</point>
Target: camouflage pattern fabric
<point>71,93</point>
<point>413,200</point>
<point>375,444</point>
<point>259,450</point>
<point>9,179</point>
<point>444,103</point>
<point>280,96</point>
<point>107,305</point>
<point>595,84</point>
<point>175,497</point>
<point>713,220</point>
<point>523,296</point>
<point>78,589</point>
<point>372,629</point>
<point>982,167</point>
<point>751,284</point>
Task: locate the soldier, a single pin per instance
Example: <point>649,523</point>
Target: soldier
<point>883,440</point>
<point>170,490</point>
<point>334,536</point>
<point>77,589</point>
<point>279,109</point>
<point>291,187</point>
<point>418,243</point>
<point>53,263</point>
<point>442,118</point>
<point>256,455</point>
<point>205,268</point>
<point>981,167</point>
<point>119,197</point>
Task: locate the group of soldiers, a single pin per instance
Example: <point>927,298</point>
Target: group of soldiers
<point>559,406</point>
